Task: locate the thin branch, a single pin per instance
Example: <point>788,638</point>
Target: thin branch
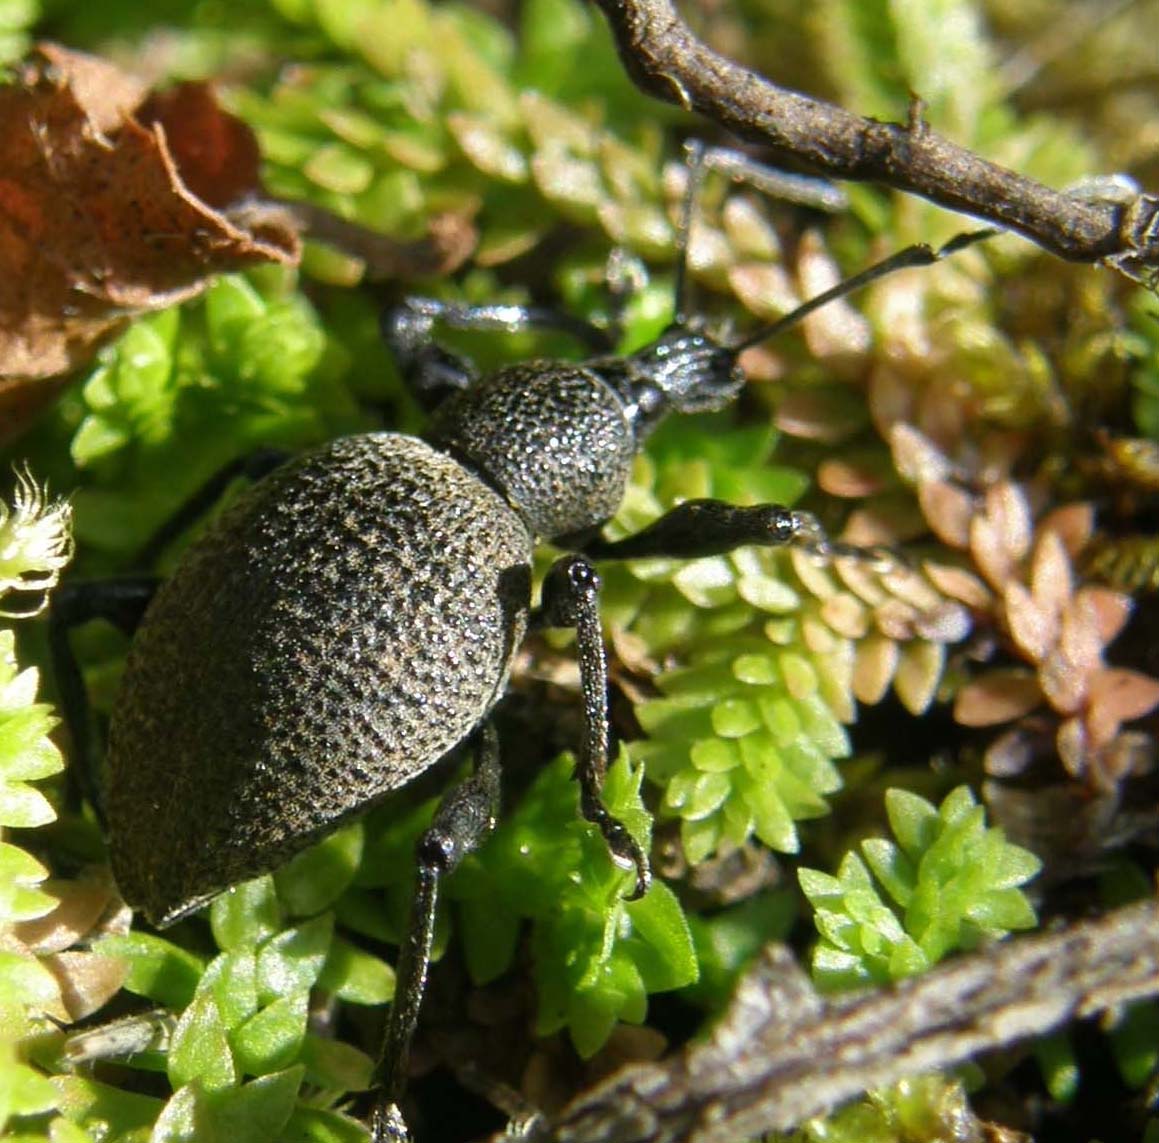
<point>668,61</point>
<point>783,1053</point>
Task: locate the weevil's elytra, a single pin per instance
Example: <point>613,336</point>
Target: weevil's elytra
<point>343,626</point>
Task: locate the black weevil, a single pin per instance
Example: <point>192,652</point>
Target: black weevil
<point>352,618</point>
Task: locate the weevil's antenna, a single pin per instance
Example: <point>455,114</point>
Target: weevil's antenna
<point>694,161</point>
<point>920,255</point>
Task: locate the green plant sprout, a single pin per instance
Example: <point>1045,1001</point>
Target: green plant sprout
<point>945,883</point>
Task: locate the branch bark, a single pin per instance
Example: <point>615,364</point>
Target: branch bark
<point>782,1053</point>
<point>666,60</point>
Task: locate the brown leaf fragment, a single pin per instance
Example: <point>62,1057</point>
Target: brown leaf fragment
<point>997,697</point>
<point>958,583</point>
<point>87,980</point>
<point>1034,629</point>
<point>1073,524</point>
<point>1123,694</point>
<point>110,205</point>
<point>1110,609</point>
<point>949,510</point>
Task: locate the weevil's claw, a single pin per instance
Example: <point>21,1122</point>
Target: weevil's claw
<point>626,852</point>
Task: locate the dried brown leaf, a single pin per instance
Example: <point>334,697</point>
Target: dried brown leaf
<point>860,576</point>
<point>990,553</point>
<point>1074,524</point>
<point>764,288</point>
<point>896,619</point>
<point>87,980</point>
<point>885,522</point>
<point>850,480</point>
<point>1122,694</point>
<point>949,510</point>
<point>948,622</point>
<point>916,457</point>
<point>1051,578</point>
<point>1111,610</point>
<point>890,398</point>
<point>997,697</point>
<point>1006,505</point>
<point>1071,740</point>
<point>1034,629</point>
<point>816,416</point>
<point>80,904</point>
<point>911,587</point>
<point>1064,682</point>
<point>97,218</point>
<point>941,413</point>
<point>1080,638</point>
<point>814,574</point>
<point>835,333</point>
<point>959,584</point>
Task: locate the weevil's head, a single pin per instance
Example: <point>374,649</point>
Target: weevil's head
<point>685,370</point>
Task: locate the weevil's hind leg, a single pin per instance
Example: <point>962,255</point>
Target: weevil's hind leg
<point>120,601</point>
<point>700,528</point>
<point>464,818</point>
<point>252,466</point>
<point>571,599</point>
<point>432,372</point>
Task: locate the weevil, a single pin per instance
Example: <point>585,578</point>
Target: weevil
<point>352,617</point>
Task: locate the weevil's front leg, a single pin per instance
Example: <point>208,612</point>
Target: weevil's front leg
<point>700,528</point>
<point>432,372</point>
<point>571,599</point>
<point>121,602</point>
<point>464,818</point>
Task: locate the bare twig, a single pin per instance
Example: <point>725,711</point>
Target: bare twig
<point>668,61</point>
<point>783,1053</point>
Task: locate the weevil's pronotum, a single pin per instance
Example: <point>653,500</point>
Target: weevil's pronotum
<point>353,616</point>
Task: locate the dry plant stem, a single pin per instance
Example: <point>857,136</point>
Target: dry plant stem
<point>783,1053</point>
<point>668,61</point>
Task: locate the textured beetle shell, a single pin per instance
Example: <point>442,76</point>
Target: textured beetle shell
<point>341,627</point>
<point>554,437</point>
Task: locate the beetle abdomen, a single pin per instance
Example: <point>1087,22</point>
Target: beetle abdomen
<point>341,627</point>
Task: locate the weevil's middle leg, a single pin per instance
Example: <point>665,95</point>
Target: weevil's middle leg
<point>464,818</point>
